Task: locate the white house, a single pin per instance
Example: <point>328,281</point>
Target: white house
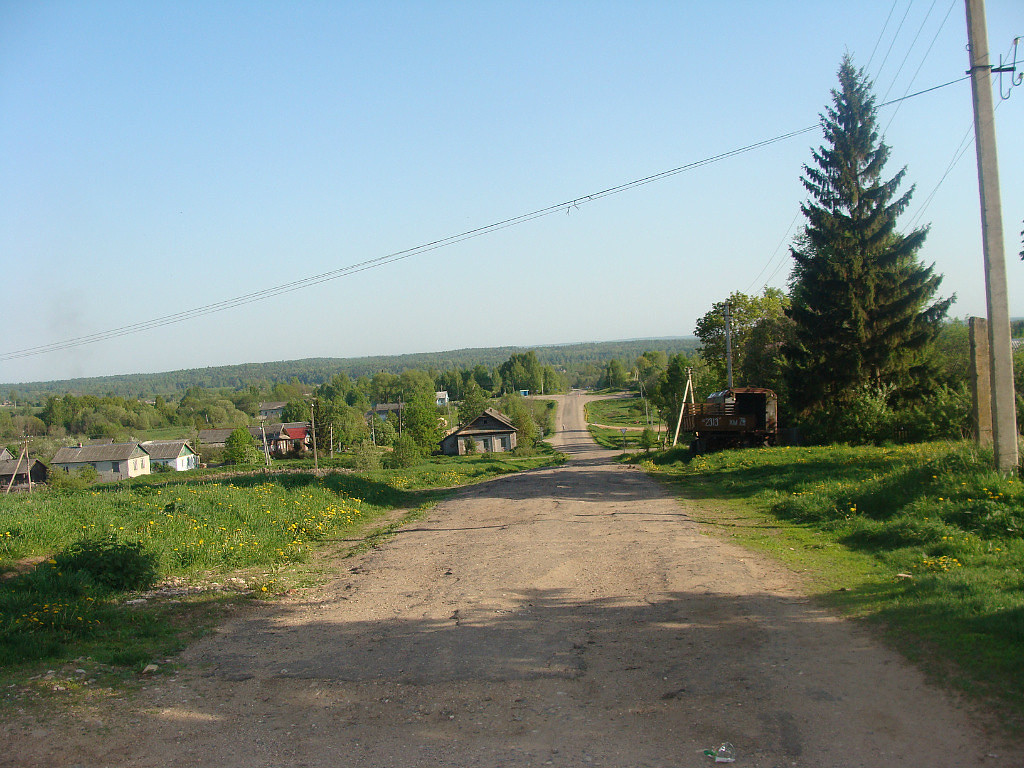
<point>441,398</point>
<point>176,454</point>
<point>113,461</point>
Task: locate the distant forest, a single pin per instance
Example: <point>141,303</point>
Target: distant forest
<point>580,362</point>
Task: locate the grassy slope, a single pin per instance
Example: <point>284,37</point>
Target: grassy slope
<point>924,539</point>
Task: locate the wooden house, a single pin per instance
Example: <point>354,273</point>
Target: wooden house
<point>20,471</point>
<point>491,431</point>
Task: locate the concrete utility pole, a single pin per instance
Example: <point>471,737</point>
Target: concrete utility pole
<point>981,382</point>
<point>728,345</point>
<point>1004,417</point>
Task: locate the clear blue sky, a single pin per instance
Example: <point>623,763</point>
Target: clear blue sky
<point>161,156</point>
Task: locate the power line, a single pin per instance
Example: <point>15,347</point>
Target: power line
<point>881,34</point>
<point>390,258</point>
<point>923,59</point>
<point>910,50</point>
<point>351,269</point>
<point>771,258</point>
<point>896,34</point>
<point>958,154</point>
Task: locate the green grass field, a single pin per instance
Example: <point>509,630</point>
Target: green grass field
<point>925,540</point>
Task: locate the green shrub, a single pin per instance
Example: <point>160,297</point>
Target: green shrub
<point>81,478</point>
<point>367,456</point>
<point>406,453</point>
<point>116,565</point>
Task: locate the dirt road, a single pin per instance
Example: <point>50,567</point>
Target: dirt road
<point>565,617</point>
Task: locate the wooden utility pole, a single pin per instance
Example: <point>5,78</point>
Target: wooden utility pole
<point>1004,417</point>
<point>316,458</point>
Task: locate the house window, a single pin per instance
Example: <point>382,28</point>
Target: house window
<point>115,466</point>
<point>503,443</point>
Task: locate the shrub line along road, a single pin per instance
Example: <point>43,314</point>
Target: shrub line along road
<point>571,616</point>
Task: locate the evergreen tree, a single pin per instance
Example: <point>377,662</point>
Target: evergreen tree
<point>861,302</point>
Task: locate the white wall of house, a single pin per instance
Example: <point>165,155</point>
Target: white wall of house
<point>179,463</point>
<point>133,467</point>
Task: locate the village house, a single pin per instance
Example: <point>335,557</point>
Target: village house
<point>271,411</point>
<point>176,454</point>
<point>112,461</point>
<point>11,469</point>
<point>282,439</point>
<point>491,431</point>
<point>386,411</point>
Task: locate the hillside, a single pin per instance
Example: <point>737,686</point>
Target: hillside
<point>319,369</point>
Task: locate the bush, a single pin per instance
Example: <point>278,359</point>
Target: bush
<point>367,456</point>
<point>406,453</point>
<point>648,439</point>
<point>118,566</point>
<point>240,448</point>
<point>78,480</point>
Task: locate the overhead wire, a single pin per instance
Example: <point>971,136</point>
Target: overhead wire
<point>910,50</point>
<point>923,60</point>
<point>351,269</point>
<point>390,258</point>
<point>895,35</point>
<point>771,258</point>
<point>881,34</point>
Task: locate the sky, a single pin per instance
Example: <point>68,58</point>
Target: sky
<point>160,157</point>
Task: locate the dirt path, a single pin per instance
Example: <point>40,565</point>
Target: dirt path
<point>567,617</point>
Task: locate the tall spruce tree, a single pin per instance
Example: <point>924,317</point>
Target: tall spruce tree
<point>861,302</point>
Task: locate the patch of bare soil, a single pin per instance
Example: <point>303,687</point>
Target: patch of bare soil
<point>573,616</point>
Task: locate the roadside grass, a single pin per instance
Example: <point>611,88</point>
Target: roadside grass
<point>924,540</point>
<point>216,542</point>
<point>618,412</point>
<point>612,438</point>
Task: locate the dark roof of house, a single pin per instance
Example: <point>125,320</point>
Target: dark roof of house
<point>9,466</point>
<point>475,428</point>
<point>166,449</point>
<point>292,430</point>
<point>273,406</point>
<point>213,436</point>
<point>87,453</point>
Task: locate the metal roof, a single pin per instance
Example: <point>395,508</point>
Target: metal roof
<point>90,453</point>
<point>166,449</point>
